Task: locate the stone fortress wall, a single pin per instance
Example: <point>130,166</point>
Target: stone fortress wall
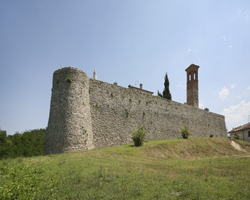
<point>88,113</point>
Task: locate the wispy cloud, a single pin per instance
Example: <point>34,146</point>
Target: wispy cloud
<point>247,15</point>
<point>242,95</point>
<point>244,14</point>
<point>223,37</point>
<point>223,93</point>
<point>188,51</point>
<point>236,113</point>
<point>248,88</point>
<point>179,85</point>
<point>231,46</point>
<point>233,85</point>
<point>201,105</point>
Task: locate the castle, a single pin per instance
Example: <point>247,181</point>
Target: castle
<point>87,113</point>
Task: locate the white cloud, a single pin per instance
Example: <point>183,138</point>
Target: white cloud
<point>223,37</point>
<point>244,15</point>
<point>248,88</point>
<point>179,85</point>
<point>233,85</point>
<point>242,95</point>
<point>231,46</point>
<point>188,51</point>
<point>223,93</point>
<point>201,105</point>
<point>237,113</point>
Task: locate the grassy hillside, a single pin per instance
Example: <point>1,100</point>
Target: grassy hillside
<point>197,168</point>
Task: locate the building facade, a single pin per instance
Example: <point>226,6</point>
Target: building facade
<point>243,132</point>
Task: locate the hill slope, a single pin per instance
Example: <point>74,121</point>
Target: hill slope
<point>169,169</point>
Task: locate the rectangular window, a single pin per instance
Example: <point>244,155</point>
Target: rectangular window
<point>248,133</point>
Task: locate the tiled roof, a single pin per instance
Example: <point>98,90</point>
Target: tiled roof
<point>142,90</point>
<point>240,128</point>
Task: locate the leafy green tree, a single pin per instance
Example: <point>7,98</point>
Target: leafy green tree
<point>6,146</point>
<point>166,93</point>
<point>29,143</point>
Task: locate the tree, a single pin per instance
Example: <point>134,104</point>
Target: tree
<point>28,143</point>
<point>159,94</point>
<point>166,93</point>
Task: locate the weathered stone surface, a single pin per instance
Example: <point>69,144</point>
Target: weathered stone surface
<point>69,126</point>
<point>110,113</point>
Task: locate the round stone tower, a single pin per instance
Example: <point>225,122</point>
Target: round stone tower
<point>69,127</point>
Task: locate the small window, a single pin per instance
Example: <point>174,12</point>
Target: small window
<point>248,133</point>
<point>189,77</point>
<point>194,75</point>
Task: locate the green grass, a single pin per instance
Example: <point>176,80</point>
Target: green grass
<point>195,168</point>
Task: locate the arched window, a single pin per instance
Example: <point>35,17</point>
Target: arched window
<point>189,77</point>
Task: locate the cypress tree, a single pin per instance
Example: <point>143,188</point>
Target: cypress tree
<point>166,93</point>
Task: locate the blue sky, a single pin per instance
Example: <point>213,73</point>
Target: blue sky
<point>130,42</point>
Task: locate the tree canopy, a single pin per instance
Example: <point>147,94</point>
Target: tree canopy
<point>166,93</point>
<point>29,143</point>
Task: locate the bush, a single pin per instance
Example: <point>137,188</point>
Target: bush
<point>139,136</point>
<point>185,133</point>
<point>69,80</point>
<point>236,136</point>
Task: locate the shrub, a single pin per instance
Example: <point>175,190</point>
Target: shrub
<point>139,136</point>
<point>236,136</point>
<point>206,109</point>
<point>69,80</point>
<point>127,112</point>
<point>185,133</point>
<point>115,83</point>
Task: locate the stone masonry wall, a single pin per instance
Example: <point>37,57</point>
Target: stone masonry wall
<point>116,111</point>
<point>87,114</point>
<point>69,127</point>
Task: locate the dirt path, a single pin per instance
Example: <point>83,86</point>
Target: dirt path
<point>237,146</point>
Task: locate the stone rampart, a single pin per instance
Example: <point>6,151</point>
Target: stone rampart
<point>69,127</point>
<point>109,114</point>
<point>116,111</point>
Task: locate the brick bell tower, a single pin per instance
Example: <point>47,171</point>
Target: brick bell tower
<point>192,85</point>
